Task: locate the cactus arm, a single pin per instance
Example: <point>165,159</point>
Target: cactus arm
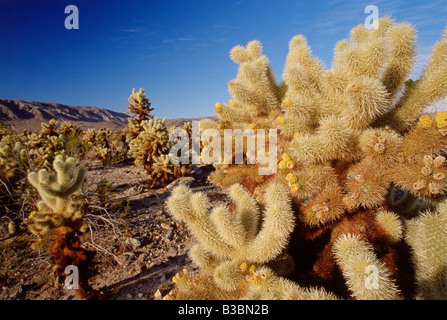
<point>278,223</point>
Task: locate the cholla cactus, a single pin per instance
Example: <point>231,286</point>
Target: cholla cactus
<point>53,139</point>
<point>140,108</point>
<point>22,152</point>
<point>426,235</point>
<point>57,209</point>
<point>266,285</point>
<point>149,143</point>
<point>12,155</point>
<point>366,276</point>
<point>106,145</point>
<point>233,242</point>
<point>58,220</point>
<point>151,149</point>
<point>349,139</point>
<point>259,284</point>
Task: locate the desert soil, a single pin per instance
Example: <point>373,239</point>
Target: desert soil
<point>137,251</point>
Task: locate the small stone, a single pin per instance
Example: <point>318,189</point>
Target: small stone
<point>197,170</point>
<point>165,226</point>
<point>158,295</point>
<point>16,291</point>
<point>125,258</point>
<point>163,279</point>
<point>133,243</point>
<point>12,228</point>
<point>169,235</point>
<point>183,181</point>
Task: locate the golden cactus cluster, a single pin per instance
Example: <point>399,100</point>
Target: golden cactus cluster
<point>150,144</point>
<point>357,158</point>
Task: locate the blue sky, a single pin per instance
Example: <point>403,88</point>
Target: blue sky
<point>176,50</point>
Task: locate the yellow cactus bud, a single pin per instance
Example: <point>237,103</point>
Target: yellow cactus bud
<point>441,119</point>
<point>233,103</point>
<point>287,102</point>
<point>32,214</point>
<point>37,243</point>
<point>252,126</point>
<point>175,279</point>
<point>349,202</point>
<point>426,121</point>
<point>295,187</point>
<point>243,267</point>
<point>291,178</point>
<point>282,165</point>
<point>296,135</point>
<point>285,157</point>
<point>218,108</point>
<point>255,279</point>
<point>252,268</point>
<point>290,164</point>
<point>281,120</point>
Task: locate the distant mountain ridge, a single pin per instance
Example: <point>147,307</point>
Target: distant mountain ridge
<point>29,115</point>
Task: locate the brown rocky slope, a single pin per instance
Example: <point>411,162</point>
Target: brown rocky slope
<point>29,115</point>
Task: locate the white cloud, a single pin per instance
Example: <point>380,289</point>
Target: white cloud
<point>133,30</point>
<point>177,40</point>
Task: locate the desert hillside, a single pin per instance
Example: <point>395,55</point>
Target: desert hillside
<point>30,114</point>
